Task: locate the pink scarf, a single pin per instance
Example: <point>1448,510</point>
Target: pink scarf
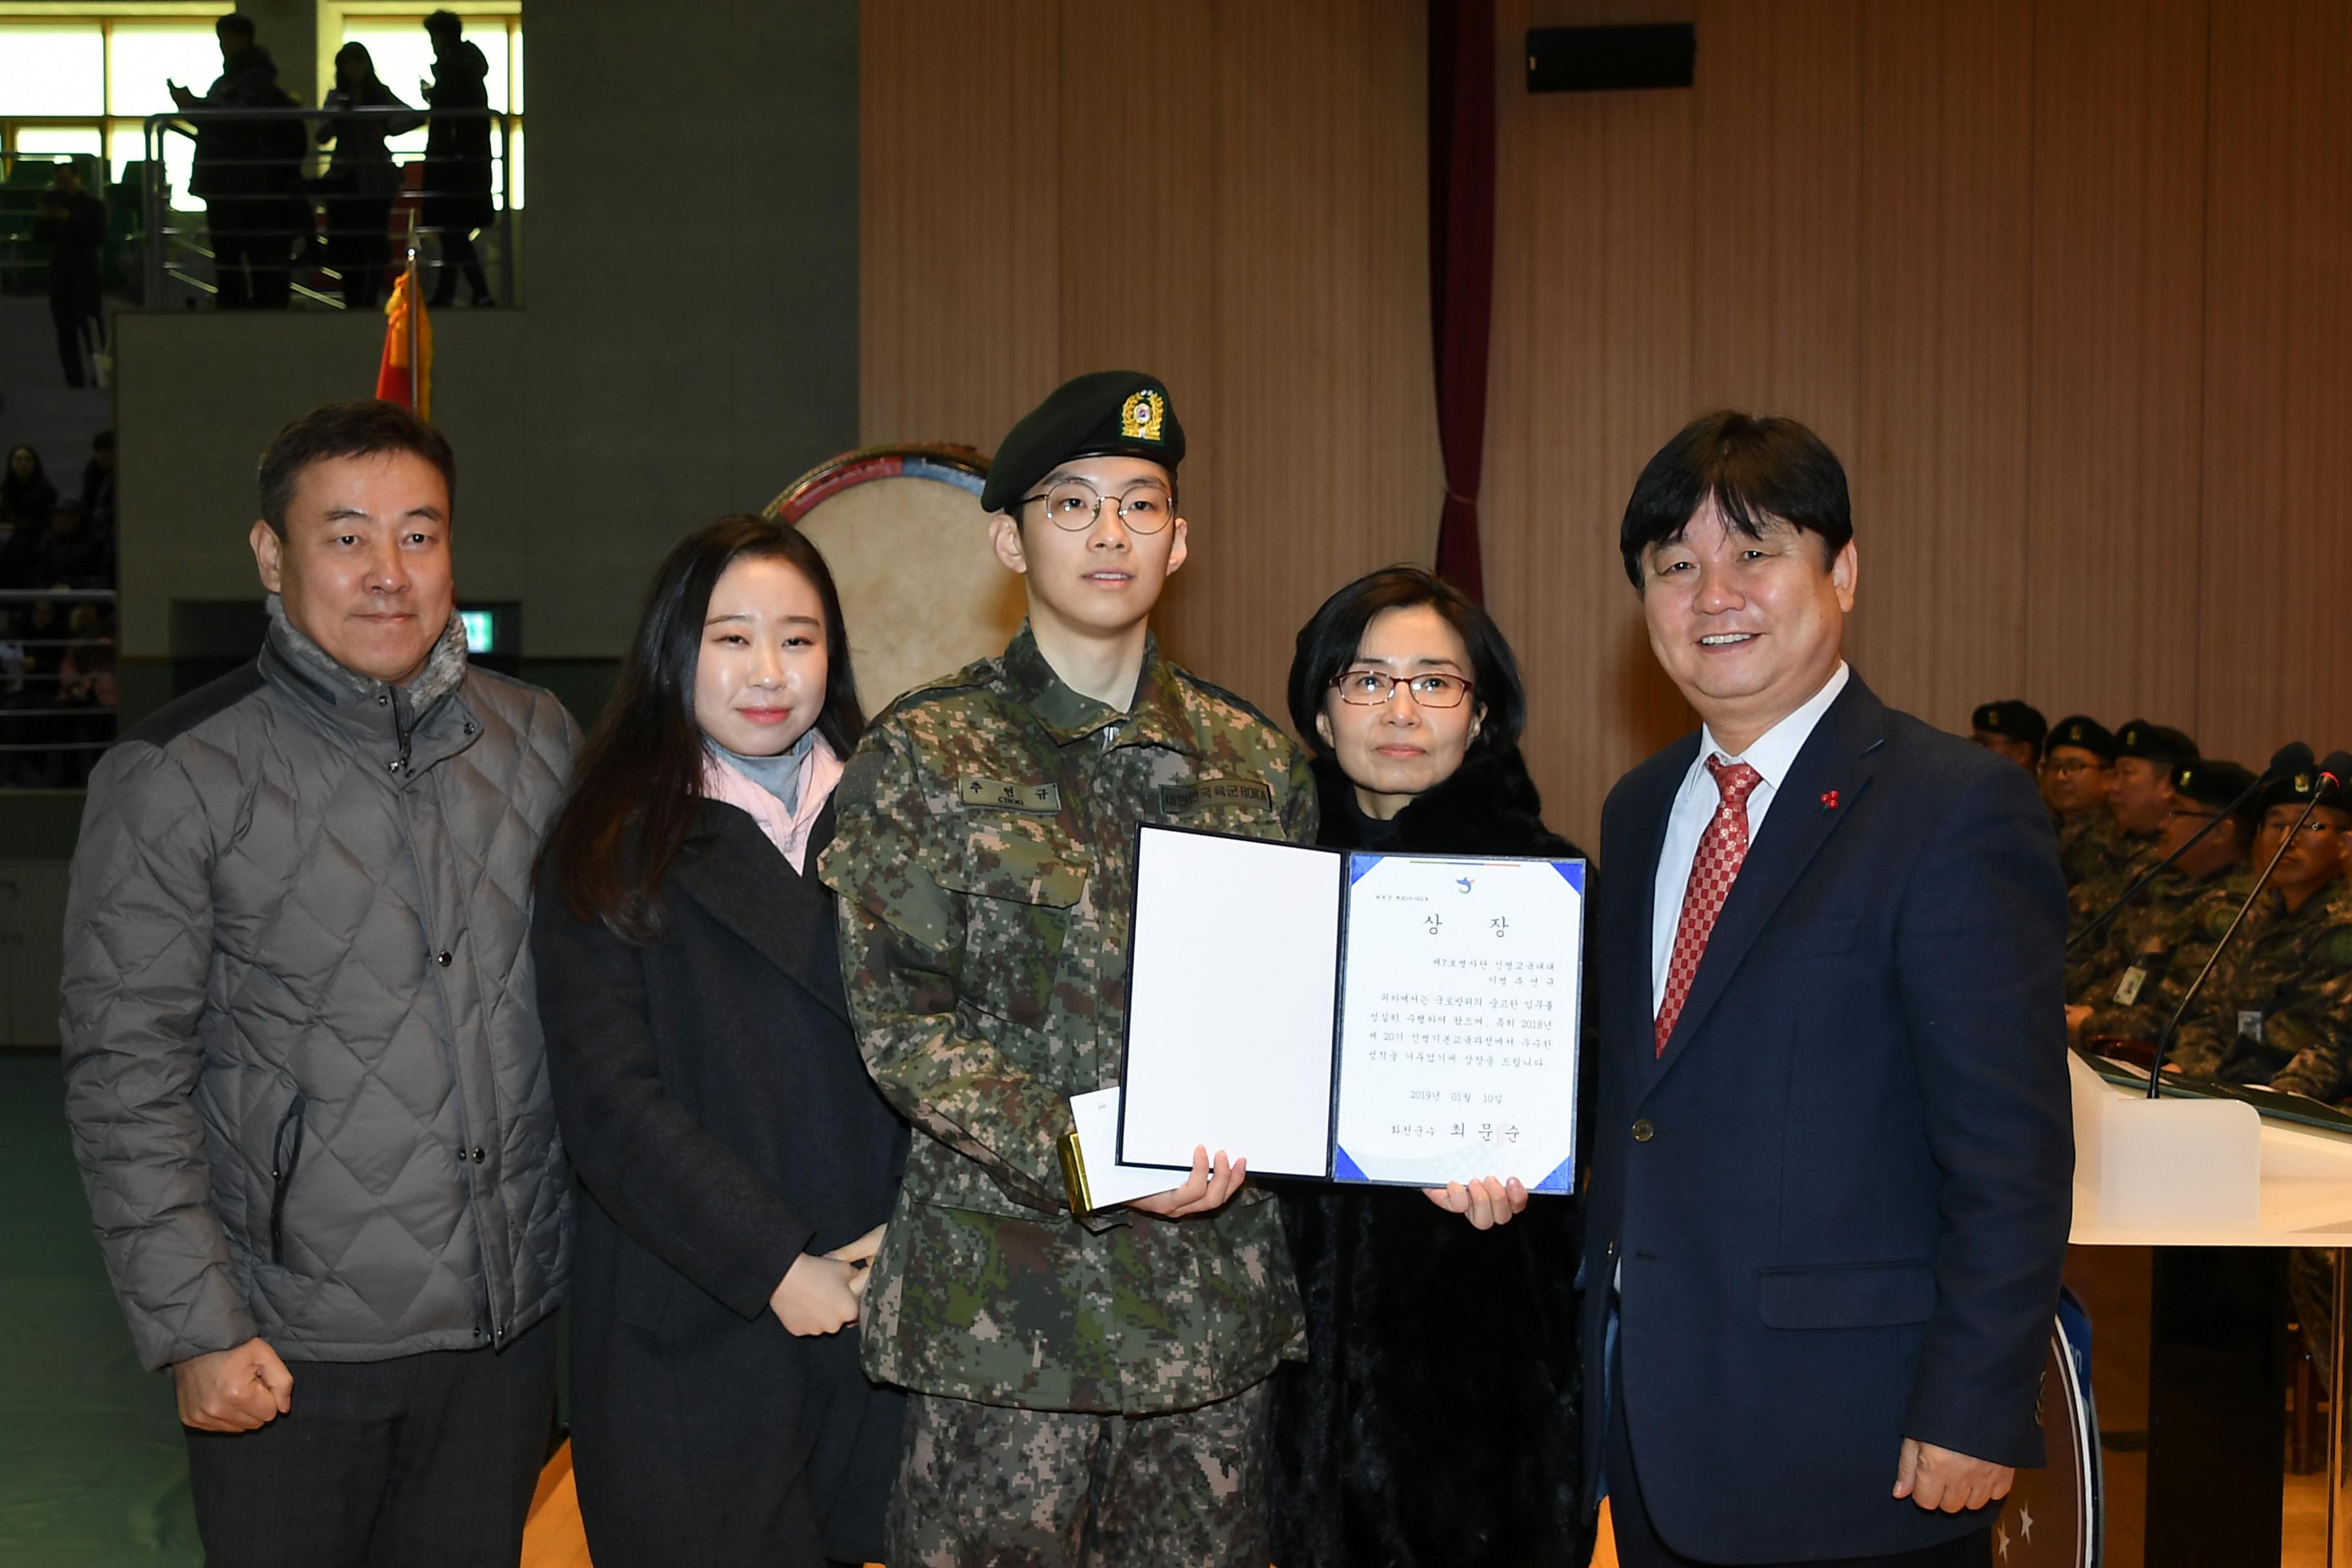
<point>787,830</point>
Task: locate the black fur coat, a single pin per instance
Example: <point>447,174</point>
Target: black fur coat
<point>1436,1419</point>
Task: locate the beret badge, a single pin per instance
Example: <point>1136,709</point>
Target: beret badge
<point>1140,416</point>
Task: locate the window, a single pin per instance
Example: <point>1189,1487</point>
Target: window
<point>83,81</point>
<point>397,43</point>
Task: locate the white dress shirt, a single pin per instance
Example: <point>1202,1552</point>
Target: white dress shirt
<point>1695,807</point>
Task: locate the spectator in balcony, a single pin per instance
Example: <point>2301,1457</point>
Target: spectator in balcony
<point>98,486</point>
<point>26,496</point>
<point>86,692</point>
<point>72,224</point>
<point>70,555</point>
<point>245,170</point>
<point>362,179</point>
<point>457,156</point>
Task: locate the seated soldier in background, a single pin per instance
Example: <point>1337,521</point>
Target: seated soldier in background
<point>2013,729</point>
<point>2273,1013</point>
<point>2117,980</point>
<point>2078,762</point>
<point>2137,800</point>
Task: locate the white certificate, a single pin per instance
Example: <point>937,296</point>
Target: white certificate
<point>1458,1030</point>
<point>1359,1018</point>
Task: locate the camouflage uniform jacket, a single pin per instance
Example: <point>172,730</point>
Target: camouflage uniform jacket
<point>2084,842</point>
<point>2123,858</point>
<point>2132,975</point>
<point>2274,1011</point>
<point>984,857</point>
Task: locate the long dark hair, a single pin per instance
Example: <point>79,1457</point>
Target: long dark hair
<point>1328,645</point>
<point>640,778</point>
<point>355,59</point>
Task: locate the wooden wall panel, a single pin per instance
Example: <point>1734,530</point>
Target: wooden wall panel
<point>1938,463</point>
<point>960,213</point>
<point>2276,551</point>
<point>1594,262</point>
<point>1776,233</point>
<point>1232,196</point>
<point>2116,381</point>
<point>1328,463</point>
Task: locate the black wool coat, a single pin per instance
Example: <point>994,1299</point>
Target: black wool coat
<point>1436,1418</point>
<point>721,1123</point>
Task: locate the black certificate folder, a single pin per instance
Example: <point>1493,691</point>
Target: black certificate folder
<point>1399,1019</point>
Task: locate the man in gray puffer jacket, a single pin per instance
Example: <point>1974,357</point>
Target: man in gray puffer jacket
<point>303,1052</point>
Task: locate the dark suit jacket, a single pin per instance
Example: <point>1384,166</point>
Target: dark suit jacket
<point>1842,1197</point>
<point>715,1108</point>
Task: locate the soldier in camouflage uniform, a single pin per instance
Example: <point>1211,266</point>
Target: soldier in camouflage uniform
<point>2137,802</point>
<point>2118,980</point>
<point>2271,1013</point>
<point>1085,1391</point>
<point>2078,762</point>
<point>2014,728</point>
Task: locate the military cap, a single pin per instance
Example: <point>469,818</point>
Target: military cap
<point>2211,783</point>
<point>2299,787</point>
<point>2012,719</point>
<point>2156,743</point>
<point>1104,414</point>
<point>2085,735</point>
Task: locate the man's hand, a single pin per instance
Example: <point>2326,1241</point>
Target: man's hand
<point>180,95</point>
<point>818,1294</point>
<point>1940,1480</point>
<point>1208,1188</point>
<point>1487,1203</point>
<point>232,1390</point>
<point>2077,1015</point>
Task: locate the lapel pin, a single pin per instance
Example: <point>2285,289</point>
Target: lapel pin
<point>1829,799</point>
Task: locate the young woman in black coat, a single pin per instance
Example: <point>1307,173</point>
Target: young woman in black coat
<point>1409,1437</point>
<point>735,1162</point>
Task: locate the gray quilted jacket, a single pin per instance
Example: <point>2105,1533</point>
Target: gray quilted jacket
<point>302,1053</point>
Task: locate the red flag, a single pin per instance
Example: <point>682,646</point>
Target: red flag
<point>408,348</point>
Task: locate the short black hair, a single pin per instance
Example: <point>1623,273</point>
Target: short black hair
<point>1329,641</point>
<point>236,21</point>
<point>360,427</point>
<point>1755,467</point>
<point>448,22</point>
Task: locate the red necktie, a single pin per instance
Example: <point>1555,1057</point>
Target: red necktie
<point>1721,851</point>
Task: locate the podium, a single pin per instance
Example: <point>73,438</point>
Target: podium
<point>2222,1182</point>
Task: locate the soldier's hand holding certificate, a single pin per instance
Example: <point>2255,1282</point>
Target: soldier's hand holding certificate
<point>1405,1019</point>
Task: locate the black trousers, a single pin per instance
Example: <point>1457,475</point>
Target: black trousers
<point>1638,1545</point>
<point>78,311</point>
<point>427,1458</point>
<point>253,248</point>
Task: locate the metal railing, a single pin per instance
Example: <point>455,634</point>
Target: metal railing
<point>274,234</point>
<point>58,685</point>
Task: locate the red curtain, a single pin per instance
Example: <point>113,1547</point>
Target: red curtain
<point>1461,264</point>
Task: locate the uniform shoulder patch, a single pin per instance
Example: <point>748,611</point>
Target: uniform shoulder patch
<point>977,676</point>
<point>1216,693</point>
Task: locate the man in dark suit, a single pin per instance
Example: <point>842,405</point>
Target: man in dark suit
<point>1831,1183</point>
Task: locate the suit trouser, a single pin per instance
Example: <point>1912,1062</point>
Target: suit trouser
<point>422,1459</point>
<point>1638,1545</point>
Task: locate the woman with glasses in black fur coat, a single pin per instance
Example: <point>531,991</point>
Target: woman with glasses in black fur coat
<point>1405,1440</point>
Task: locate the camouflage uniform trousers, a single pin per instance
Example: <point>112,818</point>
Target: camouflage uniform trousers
<point>989,1486</point>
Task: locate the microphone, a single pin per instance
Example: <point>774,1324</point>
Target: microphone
<point>2334,771</point>
<point>2295,757</point>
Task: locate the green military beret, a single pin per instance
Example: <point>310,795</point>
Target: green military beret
<point>2085,734</point>
<point>1104,414</point>
<point>2012,719</point>
<point>2211,783</point>
<point>2156,743</point>
<point>2297,788</point>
